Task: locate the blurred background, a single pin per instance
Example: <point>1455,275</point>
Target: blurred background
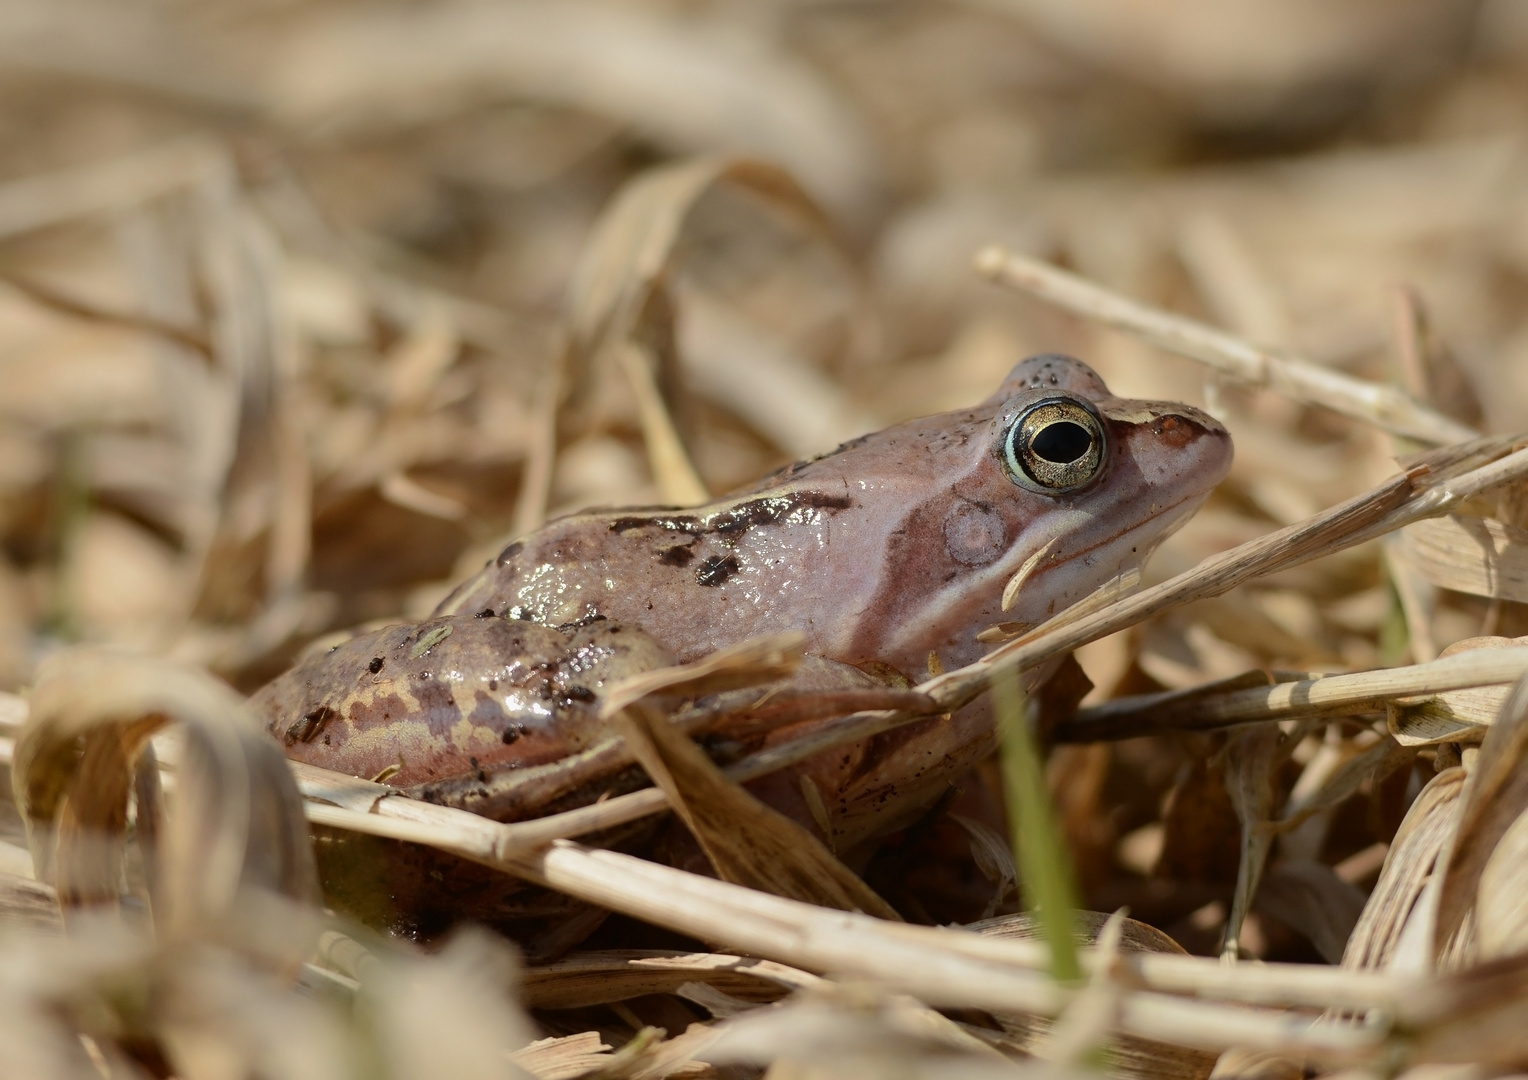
<point>295,297</point>
<point>281,280</point>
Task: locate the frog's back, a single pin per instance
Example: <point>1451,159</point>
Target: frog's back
<point>894,545</point>
<point>697,579</point>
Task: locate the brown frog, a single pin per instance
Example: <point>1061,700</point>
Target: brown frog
<point>890,554</point>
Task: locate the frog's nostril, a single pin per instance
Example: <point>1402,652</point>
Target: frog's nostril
<point>1062,442</point>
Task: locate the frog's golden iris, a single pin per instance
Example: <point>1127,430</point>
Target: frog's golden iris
<point>1055,446</point>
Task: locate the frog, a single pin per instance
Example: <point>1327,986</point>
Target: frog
<point>890,554</point>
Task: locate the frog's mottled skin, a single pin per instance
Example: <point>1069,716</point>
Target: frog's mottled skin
<point>453,696</point>
<point>894,546</point>
<point>887,553</point>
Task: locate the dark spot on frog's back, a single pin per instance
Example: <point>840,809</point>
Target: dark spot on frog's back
<point>731,521</point>
<point>678,555</point>
<point>580,694</point>
<point>681,523</point>
<point>715,570</point>
<point>774,508</point>
<point>307,727</point>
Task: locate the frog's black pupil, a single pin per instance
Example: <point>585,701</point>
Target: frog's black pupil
<point>1062,442</point>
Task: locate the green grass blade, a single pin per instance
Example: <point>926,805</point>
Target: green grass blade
<point>1044,867</point>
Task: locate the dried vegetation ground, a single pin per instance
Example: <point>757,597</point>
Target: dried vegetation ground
<point>306,306</point>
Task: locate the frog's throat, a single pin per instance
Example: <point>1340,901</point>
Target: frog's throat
<point>980,591</point>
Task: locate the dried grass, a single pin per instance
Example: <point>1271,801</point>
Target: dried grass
<point>305,308</point>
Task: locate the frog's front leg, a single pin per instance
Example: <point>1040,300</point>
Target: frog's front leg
<point>867,790</point>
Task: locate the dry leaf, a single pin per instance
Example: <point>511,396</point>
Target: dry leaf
<point>1127,1055</point>
<point>466,989</point>
<point>1309,897</point>
<point>747,842</point>
<point>1409,866</point>
<point>563,1058</point>
<point>994,857</point>
<point>366,219</point>
<point>620,305</point>
<point>697,85</point>
<point>1454,715</point>
<point>1493,797</point>
<point>233,859</point>
<point>748,663</point>
<point>593,978</point>
<point>1501,901</point>
<point>1476,555</point>
<point>1251,759</point>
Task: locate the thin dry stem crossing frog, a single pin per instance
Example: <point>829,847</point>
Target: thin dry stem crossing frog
<point>890,553</point>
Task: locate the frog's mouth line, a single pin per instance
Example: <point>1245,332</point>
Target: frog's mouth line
<point>1168,515</point>
<point>1172,516</point>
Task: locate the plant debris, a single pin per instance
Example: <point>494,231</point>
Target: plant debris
<point>308,309</point>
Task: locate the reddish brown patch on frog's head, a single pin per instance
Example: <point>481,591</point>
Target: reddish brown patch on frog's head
<point>1177,432</point>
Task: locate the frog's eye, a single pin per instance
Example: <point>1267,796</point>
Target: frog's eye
<point>1055,446</point>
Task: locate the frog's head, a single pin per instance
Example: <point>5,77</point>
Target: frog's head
<point>1052,471</point>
